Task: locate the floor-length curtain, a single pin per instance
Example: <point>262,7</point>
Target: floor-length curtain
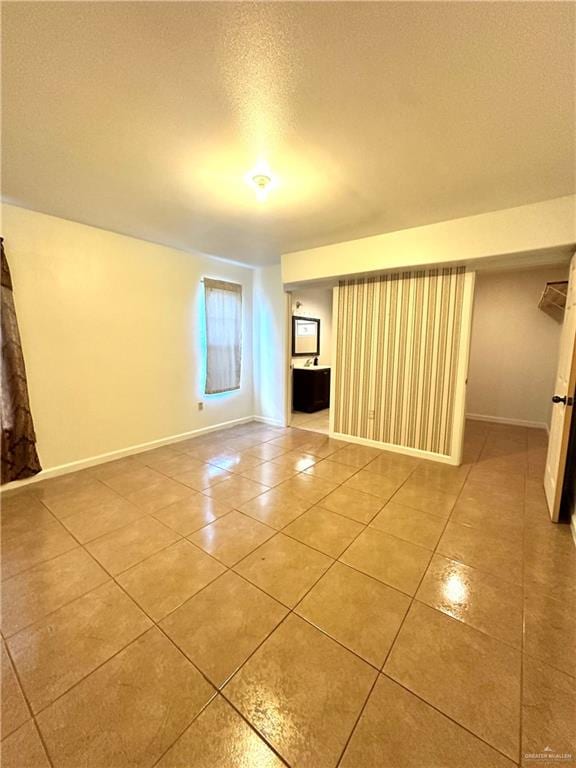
<point>19,457</point>
<point>223,335</point>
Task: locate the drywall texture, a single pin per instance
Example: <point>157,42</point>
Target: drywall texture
<point>270,340</point>
<point>514,349</point>
<point>112,331</point>
<point>398,343</point>
<point>316,302</point>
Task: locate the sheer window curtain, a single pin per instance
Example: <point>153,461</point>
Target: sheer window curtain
<point>223,302</point>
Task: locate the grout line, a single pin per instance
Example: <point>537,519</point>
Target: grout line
<point>289,611</point>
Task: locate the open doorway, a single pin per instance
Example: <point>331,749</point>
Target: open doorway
<point>516,332</point>
<point>311,358</point>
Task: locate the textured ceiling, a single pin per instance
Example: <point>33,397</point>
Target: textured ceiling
<point>144,118</point>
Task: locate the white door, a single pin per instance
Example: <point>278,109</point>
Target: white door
<point>563,402</point>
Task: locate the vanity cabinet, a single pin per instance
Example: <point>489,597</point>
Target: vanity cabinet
<point>310,389</point>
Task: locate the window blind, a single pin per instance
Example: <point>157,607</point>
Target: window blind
<point>223,306</point>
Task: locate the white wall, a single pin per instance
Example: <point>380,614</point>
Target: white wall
<point>547,225</point>
<point>317,303</point>
<point>112,335</point>
<point>270,345</point>
<point>514,351</point>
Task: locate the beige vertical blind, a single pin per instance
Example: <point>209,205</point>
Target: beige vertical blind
<point>223,302</point>
<point>398,341</point>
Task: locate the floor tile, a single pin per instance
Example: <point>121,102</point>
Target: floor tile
<point>120,550</point>
<point>31,595</point>
<point>393,465</point>
<point>102,519</point>
<point>355,455</point>
<point>276,507</point>
<point>550,567</point>
<point>447,664</point>
<point>56,652</point>
<point>222,625</point>
<point>354,504</point>
<point>475,598</point>
<point>398,730</point>
<point>235,490</point>
<point>15,711</point>
<point>71,483</point>
<point>303,692</point>
<point>295,460</point>
<point>174,465</point>
<point>441,476</point>
<point>410,524</point>
<point>486,495</point>
<point>548,707</point>
<point>360,612</point>
<point>284,568</point>
<point>161,494</point>
<point>323,447</point>
<point>331,470</point>
<point>492,519</point>
<point>191,513</point>
<point>324,530</point>
<point>85,496</point>
<point>220,738</point>
<point>232,537</point>
<point>268,474</point>
<point>265,451</point>
<point>310,489</point>
<point>203,476</point>
<point>421,496</point>
<point>45,543</point>
<point>474,547</point>
<point>397,563</point>
<point>550,631</point>
<point>23,749</point>
<point>134,479</point>
<point>21,514</point>
<point>381,486</point>
<point>164,581</point>
<point>127,712</point>
<point>108,469</point>
<point>237,463</point>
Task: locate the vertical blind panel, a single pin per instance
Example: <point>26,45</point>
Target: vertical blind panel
<point>223,303</point>
<point>398,340</point>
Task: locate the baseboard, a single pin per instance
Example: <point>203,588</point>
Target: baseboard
<point>268,420</point>
<point>92,461</point>
<point>416,452</point>
<point>511,422</point>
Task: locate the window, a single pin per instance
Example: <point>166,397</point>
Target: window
<point>223,335</point>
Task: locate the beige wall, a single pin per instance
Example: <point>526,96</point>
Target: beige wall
<point>547,225</point>
<point>111,331</point>
<point>270,343</point>
<point>514,351</point>
<point>316,302</point>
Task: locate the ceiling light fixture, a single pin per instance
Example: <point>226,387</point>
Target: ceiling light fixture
<point>261,180</point>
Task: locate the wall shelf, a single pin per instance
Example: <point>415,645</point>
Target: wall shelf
<point>553,299</point>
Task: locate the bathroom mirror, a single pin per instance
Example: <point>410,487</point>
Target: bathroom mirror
<point>305,336</point>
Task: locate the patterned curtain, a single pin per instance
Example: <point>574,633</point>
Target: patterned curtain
<point>19,457</point>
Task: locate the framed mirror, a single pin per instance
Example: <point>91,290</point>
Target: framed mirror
<point>305,336</point>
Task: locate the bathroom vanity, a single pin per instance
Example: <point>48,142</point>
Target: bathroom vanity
<point>311,388</point>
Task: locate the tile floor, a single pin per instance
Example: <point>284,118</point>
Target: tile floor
<point>268,597</point>
<point>316,422</point>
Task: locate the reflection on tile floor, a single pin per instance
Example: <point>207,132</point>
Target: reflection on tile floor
<point>266,597</point>
<point>316,422</point>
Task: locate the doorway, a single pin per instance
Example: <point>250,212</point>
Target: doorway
<point>311,358</point>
